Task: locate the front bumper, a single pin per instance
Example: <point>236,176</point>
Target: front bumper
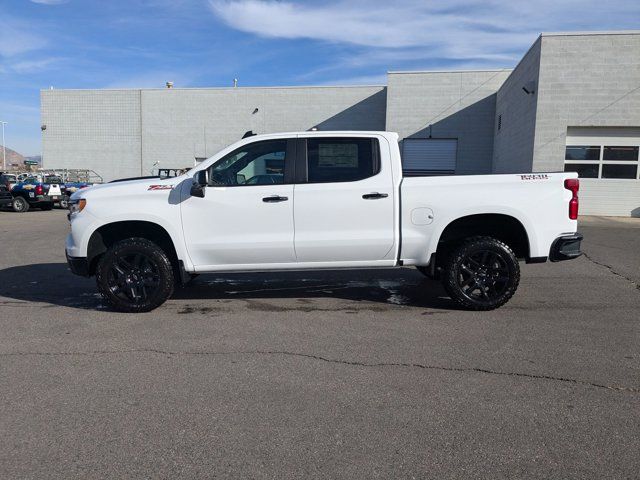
<point>566,247</point>
<point>78,265</point>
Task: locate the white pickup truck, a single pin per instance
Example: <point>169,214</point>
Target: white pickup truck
<point>319,200</point>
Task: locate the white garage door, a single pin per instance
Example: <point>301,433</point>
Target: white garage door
<point>429,156</point>
<point>608,163</point>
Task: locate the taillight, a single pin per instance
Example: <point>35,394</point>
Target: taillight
<point>573,184</point>
<point>39,190</point>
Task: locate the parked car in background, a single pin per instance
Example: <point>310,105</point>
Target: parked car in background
<point>9,180</point>
<point>30,193</point>
<point>68,189</point>
<point>56,190</point>
<point>6,199</point>
<point>320,200</point>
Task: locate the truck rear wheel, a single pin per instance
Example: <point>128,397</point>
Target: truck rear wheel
<point>135,275</point>
<point>481,274</point>
<point>20,205</point>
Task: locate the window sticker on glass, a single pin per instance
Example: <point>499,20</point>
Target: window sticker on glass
<point>343,155</point>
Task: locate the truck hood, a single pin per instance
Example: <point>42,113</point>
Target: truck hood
<point>128,187</point>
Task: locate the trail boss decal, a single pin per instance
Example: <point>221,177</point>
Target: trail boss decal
<point>535,176</point>
<point>160,187</point>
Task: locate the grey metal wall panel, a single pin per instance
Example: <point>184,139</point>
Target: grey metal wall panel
<point>122,133</point>
<point>586,80</point>
<point>92,129</point>
<point>516,112</point>
<point>448,105</point>
<point>181,124</point>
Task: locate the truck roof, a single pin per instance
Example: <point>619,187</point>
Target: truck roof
<point>337,133</point>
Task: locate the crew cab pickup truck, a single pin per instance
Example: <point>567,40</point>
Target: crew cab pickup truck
<point>320,200</point>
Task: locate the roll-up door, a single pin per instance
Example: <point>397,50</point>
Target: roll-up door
<point>429,156</point>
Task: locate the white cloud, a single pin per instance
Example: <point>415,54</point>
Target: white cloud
<point>493,30</point>
<point>15,39</point>
<point>50,2</point>
<point>30,66</point>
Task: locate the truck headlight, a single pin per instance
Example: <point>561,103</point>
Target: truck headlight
<point>76,206</point>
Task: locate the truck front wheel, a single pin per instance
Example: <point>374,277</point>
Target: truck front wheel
<point>135,275</point>
<point>481,274</point>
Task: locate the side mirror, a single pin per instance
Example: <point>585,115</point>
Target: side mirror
<point>240,179</point>
<point>199,184</point>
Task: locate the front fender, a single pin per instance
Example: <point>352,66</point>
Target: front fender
<point>85,224</point>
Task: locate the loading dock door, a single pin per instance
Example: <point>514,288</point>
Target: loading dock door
<point>429,156</point>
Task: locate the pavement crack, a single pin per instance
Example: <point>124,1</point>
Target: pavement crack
<point>619,388</point>
<point>612,270</point>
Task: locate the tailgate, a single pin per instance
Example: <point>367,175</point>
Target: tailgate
<point>55,190</point>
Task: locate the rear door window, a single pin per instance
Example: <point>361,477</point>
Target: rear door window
<point>341,159</point>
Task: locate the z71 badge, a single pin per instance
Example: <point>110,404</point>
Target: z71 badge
<point>160,187</point>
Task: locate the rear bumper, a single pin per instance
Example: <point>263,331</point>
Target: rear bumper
<point>566,247</point>
<point>78,265</point>
<point>39,199</point>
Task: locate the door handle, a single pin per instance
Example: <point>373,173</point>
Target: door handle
<point>374,196</point>
<point>275,199</point>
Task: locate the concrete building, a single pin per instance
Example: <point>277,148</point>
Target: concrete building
<point>571,103</point>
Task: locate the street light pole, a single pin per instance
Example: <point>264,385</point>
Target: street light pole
<point>4,149</point>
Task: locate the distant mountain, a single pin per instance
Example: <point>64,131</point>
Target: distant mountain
<point>14,159</point>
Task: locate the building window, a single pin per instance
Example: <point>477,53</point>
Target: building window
<point>603,161</point>
<point>581,152</point>
<point>629,154</point>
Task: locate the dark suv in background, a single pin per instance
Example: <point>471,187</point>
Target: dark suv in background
<point>5,195</point>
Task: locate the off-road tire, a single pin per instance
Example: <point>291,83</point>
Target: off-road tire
<point>20,205</point>
<point>156,269</point>
<point>64,202</point>
<point>486,264</point>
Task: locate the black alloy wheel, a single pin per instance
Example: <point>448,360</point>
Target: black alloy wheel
<point>481,274</point>
<point>135,275</point>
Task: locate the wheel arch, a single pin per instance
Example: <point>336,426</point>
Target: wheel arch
<point>107,234</point>
<point>505,227</point>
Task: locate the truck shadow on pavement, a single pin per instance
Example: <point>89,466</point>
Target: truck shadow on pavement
<point>53,284</point>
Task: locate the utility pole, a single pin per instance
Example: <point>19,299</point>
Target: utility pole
<point>4,149</point>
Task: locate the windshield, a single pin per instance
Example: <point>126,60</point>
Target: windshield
<point>52,179</point>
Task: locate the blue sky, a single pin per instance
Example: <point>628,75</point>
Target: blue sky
<point>200,43</point>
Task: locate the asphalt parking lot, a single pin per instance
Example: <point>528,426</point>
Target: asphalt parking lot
<point>366,374</point>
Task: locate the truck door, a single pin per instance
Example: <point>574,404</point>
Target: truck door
<point>344,200</point>
<point>246,216</point>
